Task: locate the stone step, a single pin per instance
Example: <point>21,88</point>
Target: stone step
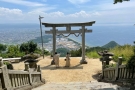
<point>94,85</point>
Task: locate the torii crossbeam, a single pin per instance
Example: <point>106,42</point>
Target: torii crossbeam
<point>68,30</point>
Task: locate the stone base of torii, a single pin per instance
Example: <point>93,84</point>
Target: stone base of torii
<point>68,30</point>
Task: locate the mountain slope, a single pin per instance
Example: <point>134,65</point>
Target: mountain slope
<point>111,44</point>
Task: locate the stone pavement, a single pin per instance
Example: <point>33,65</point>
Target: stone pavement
<point>93,85</point>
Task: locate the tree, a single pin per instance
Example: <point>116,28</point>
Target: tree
<point>76,53</point>
<point>116,1</point>
<point>24,48</point>
<point>62,51</point>
<point>32,46</point>
<point>131,61</point>
<point>13,51</point>
<point>2,47</point>
<point>28,47</point>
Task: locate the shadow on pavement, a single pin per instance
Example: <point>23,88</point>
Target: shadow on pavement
<point>52,67</point>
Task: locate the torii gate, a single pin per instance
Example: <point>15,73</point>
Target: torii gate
<point>68,30</point>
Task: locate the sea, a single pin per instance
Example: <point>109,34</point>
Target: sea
<point>100,35</point>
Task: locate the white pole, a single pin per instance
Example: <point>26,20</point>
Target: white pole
<point>41,34</point>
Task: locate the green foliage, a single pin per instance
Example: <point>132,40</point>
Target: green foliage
<point>3,55</point>
<point>125,51</point>
<point>46,52</point>
<point>6,63</point>
<point>14,51</point>
<point>111,65</point>
<point>95,49</point>
<point>38,50</point>
<point>2,47</point>
<point>62,51</point>
<point>76,53</point>
<point>9,65</point>
<point>28,47</point>
<point>24,48</point>
<point>92,54</point>
<point>131,61</point>
<point>111,44</point>
<point>19,51</point>
<point>116,1</point>
<point>32,46</point>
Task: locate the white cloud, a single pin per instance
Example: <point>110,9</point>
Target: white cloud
<point>15,15</point>
<point>80,14</point>
<point>110,16</point>
<point>10,14</point>
<point>24,2</point>
<point>78,1</point>
<point>6,11</point>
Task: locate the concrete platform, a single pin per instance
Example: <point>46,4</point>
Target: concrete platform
<point>93,85</point>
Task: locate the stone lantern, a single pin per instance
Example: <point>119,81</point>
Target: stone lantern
<point>32,63</point>
<point>106,56</point>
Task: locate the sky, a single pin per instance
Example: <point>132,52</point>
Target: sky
<point>104,12</point>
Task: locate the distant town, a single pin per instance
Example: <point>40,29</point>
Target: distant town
<point>22,35</point>
<point>61,43</point>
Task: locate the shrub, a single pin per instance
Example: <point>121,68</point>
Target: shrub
<point>28,47</point>
<point>92,54</point>
<point>13,51</point>
<point>9,65</point>
<point>2,47</point>
<point>125,51</point>
<point>76,53</point>
<point>131,61</point>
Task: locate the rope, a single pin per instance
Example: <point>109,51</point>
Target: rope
<point>63,35</point>
<point>77,35</point>
<point>69,35</point>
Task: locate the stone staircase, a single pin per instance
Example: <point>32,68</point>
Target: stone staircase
<point>93,85</point>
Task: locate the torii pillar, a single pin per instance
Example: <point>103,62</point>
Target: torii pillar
<point>83,61</point>
<point>68,30</point>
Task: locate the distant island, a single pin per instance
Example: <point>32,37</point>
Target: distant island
<point>111,44</point>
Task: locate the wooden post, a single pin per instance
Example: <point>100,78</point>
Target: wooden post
<point>30,78</point>
<point>26,67</point>
<point>6,83</point>
<point>29,70</point>
<point>120,61</point>
<point>1,62</point>
<point>0,84</point>
<point>117,68</point>
<point>103,67</point>
<point>38,68</point>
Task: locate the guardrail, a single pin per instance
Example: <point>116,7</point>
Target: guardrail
<point>12,59</point>
<point>15,79</point>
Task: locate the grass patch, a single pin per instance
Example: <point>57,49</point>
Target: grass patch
<point>125,52</point>
<point>92,54</point>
